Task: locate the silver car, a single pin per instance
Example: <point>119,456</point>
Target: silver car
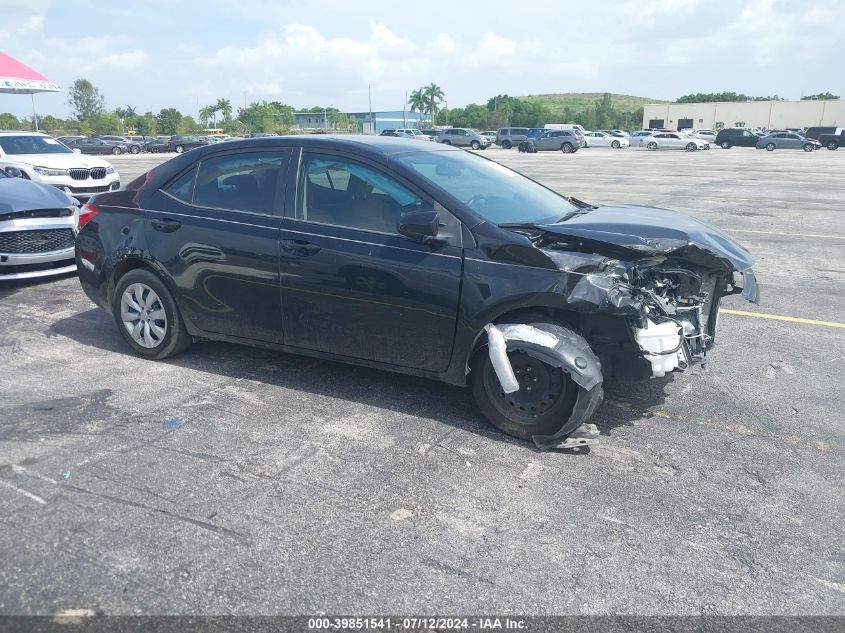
<point>674,140</point>
<point>463,137</point>
<point>38,226</point>
<point>787,140</point>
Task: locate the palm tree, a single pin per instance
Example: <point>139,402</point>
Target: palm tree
<point>207,113</point>
<point>417,101</point>
<point>433,96</point>
<point>224,106</point>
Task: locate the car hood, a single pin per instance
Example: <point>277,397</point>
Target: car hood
<point>17,194</point>
<point>651,231</point>
<point>57,161</point>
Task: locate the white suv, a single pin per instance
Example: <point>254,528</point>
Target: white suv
<point>44,159</point>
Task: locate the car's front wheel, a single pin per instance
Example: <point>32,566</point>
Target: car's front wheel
<point>179,149</point>
<point>135,149</point>
<point>475,145</point>
<point>808,147</point>
<point>725,145</point>
<point>615,145</point>
<point>770,147</point>
<point>147,316</point>
<point>567,148</point>
<point>116,151</point>
<point>541,406</point>
<point>691,147</point>
<point>506,145</point>
<point>651,146</point>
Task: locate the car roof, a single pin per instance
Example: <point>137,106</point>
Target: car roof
<point>365,144</point>
<point>22,133</point>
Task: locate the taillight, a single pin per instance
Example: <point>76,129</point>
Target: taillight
<point>87,213</point>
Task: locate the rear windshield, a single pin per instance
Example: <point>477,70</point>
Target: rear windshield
<point>13,145</point>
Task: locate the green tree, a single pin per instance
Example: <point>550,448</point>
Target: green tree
<point>85,100</point>
<point>417,101</point>
<point>10,122</point>
<point>168,120</point>
<point>104,123</point>
<point>224,106</point>
<point>187,125</point>
<point>821,95</point>
<point>433,96</point>
<point>207,114</point>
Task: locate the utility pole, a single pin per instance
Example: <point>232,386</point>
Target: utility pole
<point>372,122</point>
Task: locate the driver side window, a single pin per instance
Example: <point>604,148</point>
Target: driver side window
<point>341,192</point>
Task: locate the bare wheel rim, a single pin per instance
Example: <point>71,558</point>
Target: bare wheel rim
<point>143,315</point>
<point>541,387</point>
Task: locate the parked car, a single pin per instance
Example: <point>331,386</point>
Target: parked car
<point>432,134</point>
<point>603,139</point>
<point>45,160</point>
<point>736,136</point>
<point>816,131</point>
<point>534,133</point>
<point>484,275</point>
<point>567,141</point>
<point>490,134</point>
<point>134,145</point>
<point>565,126</point>
<point>463,137</point>
<point>833,141</point>
<point>68,139</point>
<point>178,143</point>
<point>674,140</point>
<point>787,140</point>
<point>508,137</point>
<point>396,133</point>
<point>95,146</point>
<point>617,133</point>
<point>415,134</point>
<point>37,228</point>
<point>639,138</point>
<point>704,135</point>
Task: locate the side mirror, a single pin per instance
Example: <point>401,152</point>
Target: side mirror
<point>76,150</point>
<point>13,172</point>
<point>419,224</point>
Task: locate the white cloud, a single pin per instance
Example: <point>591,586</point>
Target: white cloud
<point>32,23</point>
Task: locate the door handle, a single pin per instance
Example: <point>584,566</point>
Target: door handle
<point>166,225</point>
<point>300,248</point>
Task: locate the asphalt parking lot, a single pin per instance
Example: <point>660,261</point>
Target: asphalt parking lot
<point>230,480</point>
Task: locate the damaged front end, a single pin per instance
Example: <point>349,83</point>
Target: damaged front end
<point>647,284</point>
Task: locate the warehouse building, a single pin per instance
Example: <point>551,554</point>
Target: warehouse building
<point>762,114</point>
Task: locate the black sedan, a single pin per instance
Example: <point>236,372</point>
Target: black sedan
<point>426,260</point>
<point>100,146</point>
<point>179,143</point>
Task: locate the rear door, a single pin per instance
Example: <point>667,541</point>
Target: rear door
<point>216,232</point>
<point>351,284</point>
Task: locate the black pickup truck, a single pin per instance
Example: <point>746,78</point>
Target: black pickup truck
<point>833,141</point>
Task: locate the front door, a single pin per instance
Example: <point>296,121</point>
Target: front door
<point>351,284</point>
<point>216,231</point>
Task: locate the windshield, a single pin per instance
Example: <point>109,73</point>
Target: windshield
<point>14,145</point>
<point>498,194</point>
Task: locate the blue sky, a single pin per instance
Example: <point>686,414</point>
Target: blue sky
<point>159,53</point>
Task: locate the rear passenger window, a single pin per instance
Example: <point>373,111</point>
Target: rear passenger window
<point>240,182</point>
<point>183,187</point>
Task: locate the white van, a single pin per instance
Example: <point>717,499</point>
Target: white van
<point>565,126</point>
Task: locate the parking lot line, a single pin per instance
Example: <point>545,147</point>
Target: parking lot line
<point>832,237</point>
<point>779,317</point>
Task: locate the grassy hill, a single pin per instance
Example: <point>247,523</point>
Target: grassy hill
<point>581,100</point>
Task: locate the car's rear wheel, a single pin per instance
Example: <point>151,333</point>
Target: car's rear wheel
<point>832,145</point>
<point>651,146</point>
<point>543,403</point>
<point>147,316</point>
<point>808,147</point>
<point>725,145</point>
<point>567,148</point>
<point>770,147</point>
<point>475,145</point>
<point>116,151</point>
<point>446,141</point>
<point>135,149</point>
<point>691,147</point>
<point>179,149</point>
<point>615,145</point>
<point>506,145</point>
